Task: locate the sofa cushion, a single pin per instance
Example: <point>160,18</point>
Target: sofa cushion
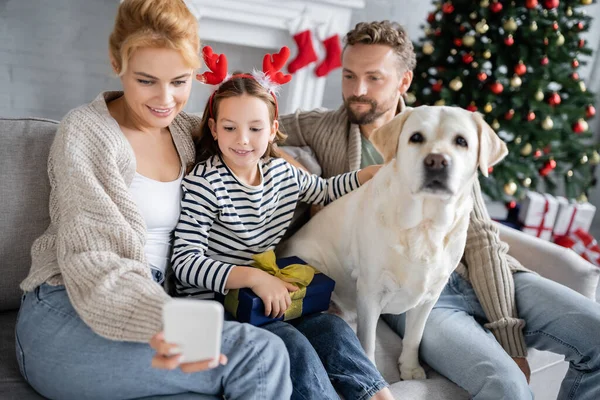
<point>24,190</point>
<point>12,385</point>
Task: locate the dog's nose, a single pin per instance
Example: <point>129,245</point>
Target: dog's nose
<point>436,162</point>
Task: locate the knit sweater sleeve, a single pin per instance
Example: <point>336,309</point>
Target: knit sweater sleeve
<point>492,280</point>
<point>301,127</point>
<point>99,253</point>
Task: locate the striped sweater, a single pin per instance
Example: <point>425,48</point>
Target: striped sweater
<point>224,222</point>
<point>337,145</point>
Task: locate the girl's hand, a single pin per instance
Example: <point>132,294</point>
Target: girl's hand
<point>367,173</point>
<point>166,357</point>
<point>274,293</point>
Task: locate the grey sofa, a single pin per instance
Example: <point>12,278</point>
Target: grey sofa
<point>24,145</point>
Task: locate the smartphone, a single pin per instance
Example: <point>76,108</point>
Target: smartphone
<point>195,326</point>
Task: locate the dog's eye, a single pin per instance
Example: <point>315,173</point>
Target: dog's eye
<point>461,141</point>
<point>416,137</point>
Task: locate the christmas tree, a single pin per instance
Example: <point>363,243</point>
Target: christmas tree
<point>517,63</point>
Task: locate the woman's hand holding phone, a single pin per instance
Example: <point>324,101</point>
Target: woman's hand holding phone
<point>167,357</point>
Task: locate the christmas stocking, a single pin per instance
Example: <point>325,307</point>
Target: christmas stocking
<point>333,56</point>
<point>306,51</point>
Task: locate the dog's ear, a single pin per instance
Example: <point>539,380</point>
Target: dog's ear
<point>492,149</point>
<point>385,138</point>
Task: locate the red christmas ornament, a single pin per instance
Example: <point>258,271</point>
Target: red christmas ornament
<point>458,42</point>
<point>496,87</point>
<point>575,63</point>
<point>482,76</point>
<point>581,43</point>
<point>448,8</point>
<point>520,68</point>
<point>554,99</point>
<point>551,4</point>
<point>590,111</point>
<point>575,76</point>
<point>509,40</point>
<point>512,205</point>
<point>496,7</point>
<point>546,41</point>
<point>431,18</point>
<point>530,116</point>
<point>531,4</point>
<point>467,58</point>
<point>580,26</point>
<point>578,127</point>
<point>509,114</point>
<point>544,60</point>
<point>472,107</point>
<point>490,170</point>
<point>555,26</point>
<point>545,171</point>
<point>537,153</point>
<point>437,32</point>
<point>552,164</point>
<point>437,87</point>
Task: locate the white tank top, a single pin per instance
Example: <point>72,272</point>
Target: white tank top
<point>160,205</point>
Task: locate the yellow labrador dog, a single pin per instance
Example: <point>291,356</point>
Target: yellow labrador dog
<point>392,244</point>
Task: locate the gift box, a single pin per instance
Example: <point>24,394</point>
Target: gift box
<point>313,295</point>
<point>583,244</point>
<point>572,216</point>
<point>538,214</point>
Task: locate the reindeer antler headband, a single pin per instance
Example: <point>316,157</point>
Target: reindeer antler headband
<point>270,77</point>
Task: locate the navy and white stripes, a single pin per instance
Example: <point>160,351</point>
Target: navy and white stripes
<point>224,222</point>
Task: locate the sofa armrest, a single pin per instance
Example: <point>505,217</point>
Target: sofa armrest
<point>552,261</point>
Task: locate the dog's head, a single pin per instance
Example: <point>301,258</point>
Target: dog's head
<point>438,148</point>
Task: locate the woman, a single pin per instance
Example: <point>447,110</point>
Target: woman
<point>94,298</point>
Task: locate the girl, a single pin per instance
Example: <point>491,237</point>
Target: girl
<point>90,321</point>
<point>238,201</point>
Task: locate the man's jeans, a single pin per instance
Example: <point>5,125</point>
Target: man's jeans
<point>557,319</point>
<point>62,358</point>
<point>325,355</point>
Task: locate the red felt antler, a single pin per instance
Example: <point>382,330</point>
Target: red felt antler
<point>272,65</point>
<point>216,63</point>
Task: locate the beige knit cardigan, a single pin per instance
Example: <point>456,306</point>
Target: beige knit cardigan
<point>95,242</point>
<point>337,147</point>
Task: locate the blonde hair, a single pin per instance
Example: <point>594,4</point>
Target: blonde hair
<point>238,85</point>
<point>154,23</point>
<point>387,33</point>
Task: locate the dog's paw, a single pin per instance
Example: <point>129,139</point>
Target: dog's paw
<point>409,373</point>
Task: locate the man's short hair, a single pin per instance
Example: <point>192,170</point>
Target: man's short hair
<point>387,33</point>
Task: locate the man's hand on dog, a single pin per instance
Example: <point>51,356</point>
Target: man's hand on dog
<point>524,366</point>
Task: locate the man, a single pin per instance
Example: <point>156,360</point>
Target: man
<point>492,308</point>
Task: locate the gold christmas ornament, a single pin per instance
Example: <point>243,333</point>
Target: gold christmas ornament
<point>582,86</point>
<point>495,125</point>
<point>453,52</point>
<point>586,2</point>
<point>475,64</point>
<point>473,15</point>
<point>582,198</point>
<point>516,81</point>
<point>595,158</point>
<point>428,31</point>
<point>533,27</point>
<point>569,12</point>
<point>526,150</point>
<point>570,173</point>
<point>469,40</point>
<point>510,25</point>
<point>427,48</point>
<point>547,123</point>
<point>484,3</point>
<point>410,98</point>
<point>487,108</point>
<point>560,40</point>
<point>518,140</point>
<point>440,102</point>
<point>584,125</point>
<point>487,54</point>
<point>584,159</point>
<point>456,84</point>
<point>539,95</point>
<point>510,188</point>
<point>482,27</point>
<point>527,182</point>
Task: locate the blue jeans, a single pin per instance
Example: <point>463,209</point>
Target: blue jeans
<point>557,319</point>
<point>62,358</point>
<point>325,355</point>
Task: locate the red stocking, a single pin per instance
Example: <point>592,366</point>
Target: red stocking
<point>306,52</point>
<point>333,56</point>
